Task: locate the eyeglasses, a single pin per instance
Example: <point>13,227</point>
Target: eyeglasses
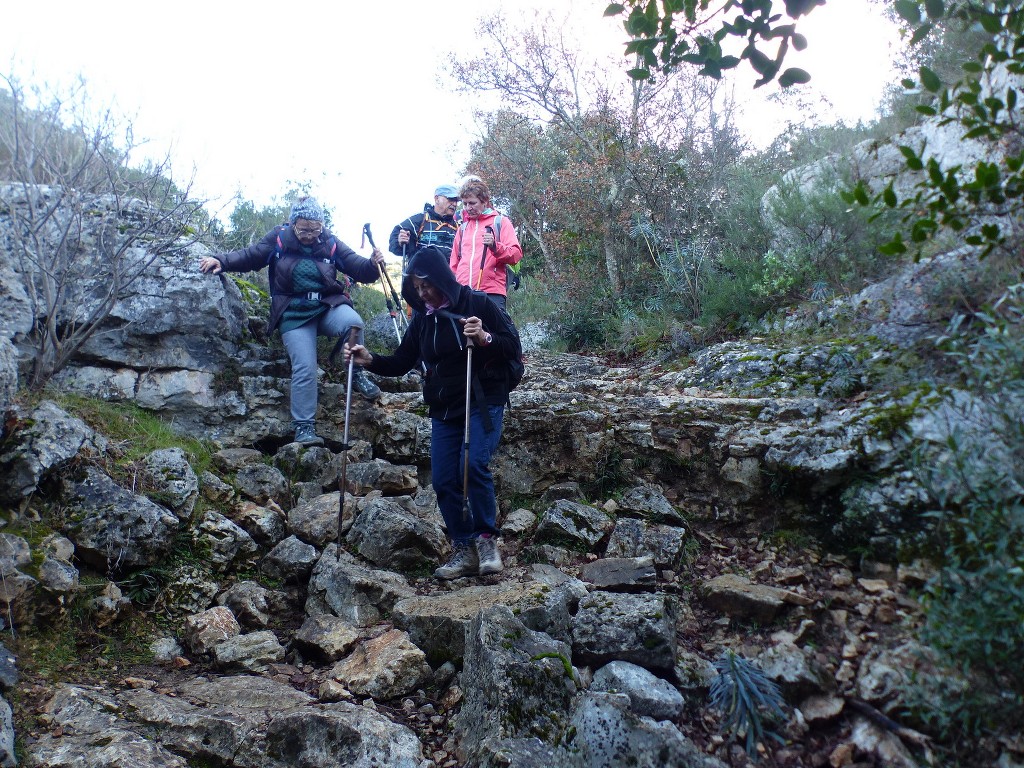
<point>453,200</point>
<point>304,232</point>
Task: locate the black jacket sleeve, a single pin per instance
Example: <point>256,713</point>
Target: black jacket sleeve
<point>412,226</point>
<point>404,358</point>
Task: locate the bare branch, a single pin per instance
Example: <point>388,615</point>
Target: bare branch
<point>83,222</point>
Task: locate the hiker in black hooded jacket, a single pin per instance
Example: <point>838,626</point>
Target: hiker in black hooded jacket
<point>447,315</point>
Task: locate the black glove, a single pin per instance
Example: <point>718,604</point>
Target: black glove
<point>512,277</point>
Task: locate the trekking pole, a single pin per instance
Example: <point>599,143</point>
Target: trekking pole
<point>383,288</point>
<point>465,436</point>
<point>385,278</point>
<point>483,258</point>
<point>343,480</point>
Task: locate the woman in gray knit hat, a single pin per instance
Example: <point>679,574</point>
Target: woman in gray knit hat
<point>309,297</point>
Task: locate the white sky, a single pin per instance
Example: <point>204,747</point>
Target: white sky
<point>350,95</point>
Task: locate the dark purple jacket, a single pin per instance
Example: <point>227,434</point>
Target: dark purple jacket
<point>280,250</point>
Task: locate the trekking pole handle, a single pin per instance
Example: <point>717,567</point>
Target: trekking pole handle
<point>494,245</point>
<point>367,235</point>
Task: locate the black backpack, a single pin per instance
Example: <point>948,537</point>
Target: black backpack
<point>515,366</point>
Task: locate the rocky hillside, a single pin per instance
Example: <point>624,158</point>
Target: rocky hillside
<point>261,644</point>
<point>741,509</point>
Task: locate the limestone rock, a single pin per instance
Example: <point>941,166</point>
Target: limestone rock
<point>112,528</point>
<point>637,628</point>
<point>202,631</point>
<point>649,695</point>
<point>383,667</point>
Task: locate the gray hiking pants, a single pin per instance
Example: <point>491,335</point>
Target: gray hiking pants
<point>301,346</point>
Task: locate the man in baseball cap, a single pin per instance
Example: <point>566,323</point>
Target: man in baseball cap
<point>434,226</point>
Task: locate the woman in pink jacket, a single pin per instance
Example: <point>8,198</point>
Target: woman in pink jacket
<point>485,243</point>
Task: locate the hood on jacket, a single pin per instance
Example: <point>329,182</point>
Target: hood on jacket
<point>430,264</point>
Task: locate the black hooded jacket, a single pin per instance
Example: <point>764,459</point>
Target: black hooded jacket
<point>437,340</point>
<point>330,255</point>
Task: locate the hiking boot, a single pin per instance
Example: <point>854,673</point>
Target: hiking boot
<point>362,384</point>
<point>305,433</point>
<point>488,555</point>
<point>463,562</point>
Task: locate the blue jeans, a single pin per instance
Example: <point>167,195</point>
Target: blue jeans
<point>446,452</point>
<point>301,345</point>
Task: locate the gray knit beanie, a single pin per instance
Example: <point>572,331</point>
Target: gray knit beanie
<point>306,208</point>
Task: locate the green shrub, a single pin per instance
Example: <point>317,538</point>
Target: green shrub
<point>974,606</point>
<point>821,244</point>
<point>537,299</point>
<point>731,296</point>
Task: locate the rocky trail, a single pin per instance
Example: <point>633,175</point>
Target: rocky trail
<point>258,645</point>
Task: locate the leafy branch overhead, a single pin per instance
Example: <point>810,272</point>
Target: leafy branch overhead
<point>667,34</point>
<point>983,104</point>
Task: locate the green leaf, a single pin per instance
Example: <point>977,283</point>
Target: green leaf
<point>794,76</point>
<point>614,9</point>
<point>894,247</point>
<point>889,197</point>
<point>990,23</point>
<point>925,110</point>
<point>642,44</point>
<point>922,229</point>
<point>860,194</point>
<point>640,73</point>
<point>935,9</point>
<point>920,34</point>
<point>799,41</point>
<point>758,60</point>
<point>913,161</point>
<point>987,174</point>
<point>977,133</point>
<point>797,8</point>
<point>930,80</point>
<point>908,10</point>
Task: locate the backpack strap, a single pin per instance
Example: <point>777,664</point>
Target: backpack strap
<point>276,255</point>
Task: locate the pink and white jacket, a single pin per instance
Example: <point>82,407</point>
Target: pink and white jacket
<point>483,269</point>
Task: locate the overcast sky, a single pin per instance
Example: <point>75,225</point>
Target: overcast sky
<point>352,96</point>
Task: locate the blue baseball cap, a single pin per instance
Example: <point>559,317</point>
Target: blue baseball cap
<point>447,190</point>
